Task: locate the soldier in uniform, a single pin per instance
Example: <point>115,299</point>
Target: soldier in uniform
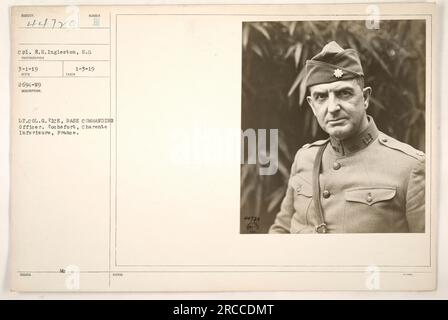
<point>359,180</point>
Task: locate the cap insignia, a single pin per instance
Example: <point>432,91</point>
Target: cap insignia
<point>338,73</point>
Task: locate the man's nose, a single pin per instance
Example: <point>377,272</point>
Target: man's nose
<point>333,103</point>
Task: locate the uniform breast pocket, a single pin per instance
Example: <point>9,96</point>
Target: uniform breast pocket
<point>303,193</point>
<point>369,209</point>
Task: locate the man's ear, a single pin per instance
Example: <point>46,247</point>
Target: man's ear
<point>310,102</point>
<point>366,92</point>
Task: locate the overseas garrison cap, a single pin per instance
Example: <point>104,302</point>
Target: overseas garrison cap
<point>333,64</point>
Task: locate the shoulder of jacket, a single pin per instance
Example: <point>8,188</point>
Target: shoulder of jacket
<point>405,148</point>
<point>308,151</point>
<point>315,144</point>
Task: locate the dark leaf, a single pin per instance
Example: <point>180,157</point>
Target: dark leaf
<point>246,32</point>
<point>292,27</point>
<point>297,53</point>
<point>255,48</point>
<point>298,80</point>
<point>262,30</point>
<point>275,199</point>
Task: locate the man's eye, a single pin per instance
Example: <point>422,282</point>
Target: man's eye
<point>320,97</point>
<point>345,94</point>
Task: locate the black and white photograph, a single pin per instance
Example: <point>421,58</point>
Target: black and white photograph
<point>283,148</point>
<point>333,127</point>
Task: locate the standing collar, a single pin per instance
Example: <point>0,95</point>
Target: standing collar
<point>357,142</point>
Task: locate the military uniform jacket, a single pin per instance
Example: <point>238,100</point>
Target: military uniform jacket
<point>370,183</point>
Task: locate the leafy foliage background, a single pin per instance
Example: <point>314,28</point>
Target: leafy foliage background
<point>273,93</point>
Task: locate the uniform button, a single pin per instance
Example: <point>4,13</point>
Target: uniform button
<point>326,194</point>
<point>420,153</point>
<point>298,188</point>
<point>384,139</point>
<point>336,166</point>
<point>369,197</point>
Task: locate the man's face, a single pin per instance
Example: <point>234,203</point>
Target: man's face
<point>340,107</point>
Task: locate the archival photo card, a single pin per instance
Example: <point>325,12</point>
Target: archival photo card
<point>224,148</point>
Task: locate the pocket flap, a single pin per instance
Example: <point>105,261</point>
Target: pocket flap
<point>370,195</point>
<point>301,186</point>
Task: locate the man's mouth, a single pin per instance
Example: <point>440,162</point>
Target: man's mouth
<point>336,121</point>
